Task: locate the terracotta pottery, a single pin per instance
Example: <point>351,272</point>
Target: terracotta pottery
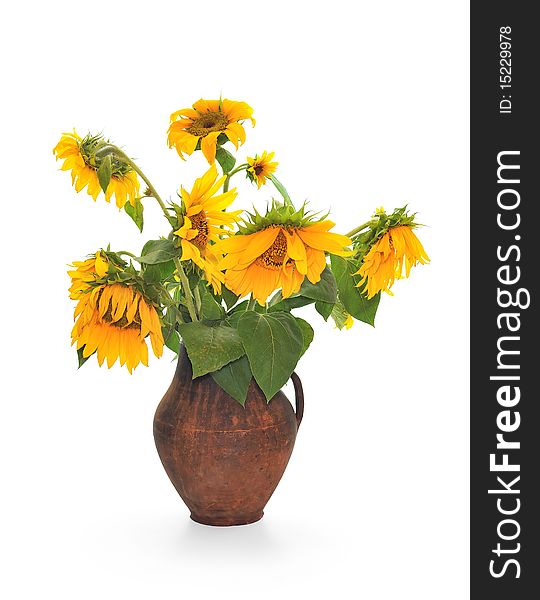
<point>224,460</point>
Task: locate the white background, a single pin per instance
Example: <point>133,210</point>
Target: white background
<point>365,104</point>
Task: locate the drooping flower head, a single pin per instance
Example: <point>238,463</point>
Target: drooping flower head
<point>204,217</point>
<point>113,318</point>
<point>390,250</point>
<point>87,272</point>
<point>261,167</point>
<point>277,251</point>
<point>202,125</point>
<point>79,156</point>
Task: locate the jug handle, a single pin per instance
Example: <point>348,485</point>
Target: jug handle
<point>299,398</point>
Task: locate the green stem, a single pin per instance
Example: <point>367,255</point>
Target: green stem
<point>281,189</point>
<point>251,303</point>
<point>187,291</point>
<point>359,228</point>
<point>125,158</point>
<point>198,301</point>
<point>229,175</point>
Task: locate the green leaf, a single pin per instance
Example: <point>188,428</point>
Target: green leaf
<point>171,315</point>
<point>158,251</point>
<point>277,297</point>
<point>222,139</point>
<point>353,299</point>
<point>235,378</point>
<point>104,172</point>
<point>229,298</point>
<point>273,344</point>
<point>194,278</point>
<point>289,303</point>
<point>240,309</point>
<point>307,333</point>
<point>210,347</point>
<point>159,272</point>
<point>324,290</point>
<point>172,339</point>
<point>81,358</point>
<point>340,315</point>
<point>136,213</point>
<point>324,308</point>
<point>225,159</point>
<point>211,310</point>
<point>184,313</point>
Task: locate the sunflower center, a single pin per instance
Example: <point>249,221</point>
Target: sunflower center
<point>258,169</point>
<point>122,322</point>
<point>274,257</point>
<point>200,223</point>
<point>208,122</point>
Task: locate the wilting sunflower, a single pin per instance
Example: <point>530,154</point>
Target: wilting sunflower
<point>204,217</point>
<point>87,272</point>
<point>79,156</point>
<point>397,251</point>
<point>205,122</point>
<point>261,167</point>
<point>279,256</point>
<point>113,320</point>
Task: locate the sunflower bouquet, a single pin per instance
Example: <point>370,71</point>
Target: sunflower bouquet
<point>223,283</point>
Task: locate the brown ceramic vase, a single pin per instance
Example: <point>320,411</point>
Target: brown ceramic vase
<point>224,460</point>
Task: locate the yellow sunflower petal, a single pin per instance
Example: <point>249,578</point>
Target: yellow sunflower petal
<point>316,263</point>
<point>327,241</point>
<point>208,146</point>
<point>236,133</point>
<point>296,250</point>
<point>258,243</point>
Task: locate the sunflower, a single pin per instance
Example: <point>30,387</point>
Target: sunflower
<point>279,256</point>
<point>86,272</point>
<point>204,219</point>
<point>79,156</point>
<point>261,167</point>
<point>114,320</point>
<point>204,123</point>
<point>396,251</point>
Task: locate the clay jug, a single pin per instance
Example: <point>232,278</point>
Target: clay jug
<point>224,460</point>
